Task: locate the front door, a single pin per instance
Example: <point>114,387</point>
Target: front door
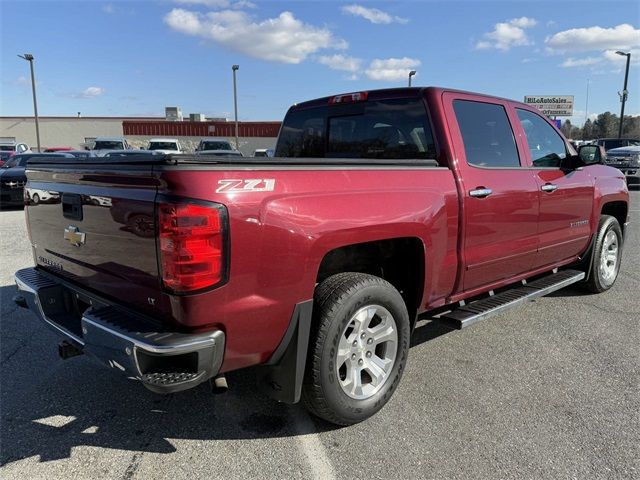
<point>566,196</point>
<point>500,196</point>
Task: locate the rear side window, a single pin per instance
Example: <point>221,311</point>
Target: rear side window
<point>545,145</point>
<point>385,129</point>
<point>486,133</point>
<point>302,134</point>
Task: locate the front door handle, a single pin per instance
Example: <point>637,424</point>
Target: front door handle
<point>480,192</point>
<point>549,187</point>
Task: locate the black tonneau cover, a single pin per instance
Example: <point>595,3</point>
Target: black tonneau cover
<point>186,159</point>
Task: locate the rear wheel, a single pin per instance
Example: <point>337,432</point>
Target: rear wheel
<point>359,347</point>
<point>607,251</point>
<point>35,199</point>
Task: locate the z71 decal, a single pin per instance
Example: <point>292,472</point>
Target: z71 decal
<point>251,185</point>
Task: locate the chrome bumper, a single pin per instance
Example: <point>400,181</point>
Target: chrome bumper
<point>163,361</point>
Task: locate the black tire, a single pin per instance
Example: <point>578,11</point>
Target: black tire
<point>35,199</point>
<point>598,282</point>
<point>336,301</point>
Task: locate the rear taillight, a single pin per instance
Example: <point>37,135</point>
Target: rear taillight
<point>192,246</point>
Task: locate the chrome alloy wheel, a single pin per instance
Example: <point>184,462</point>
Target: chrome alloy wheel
<point>367,352</point>
<point>609,257</point>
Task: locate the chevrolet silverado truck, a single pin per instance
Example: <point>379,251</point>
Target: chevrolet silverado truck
<point>314,265</point>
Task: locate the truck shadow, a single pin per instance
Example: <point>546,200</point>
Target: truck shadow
<point>50,406</point>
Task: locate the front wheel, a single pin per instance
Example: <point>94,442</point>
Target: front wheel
<point>607,253</point>
<point>359,347</point>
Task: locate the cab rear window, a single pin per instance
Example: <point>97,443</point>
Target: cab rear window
<point>386,129</point>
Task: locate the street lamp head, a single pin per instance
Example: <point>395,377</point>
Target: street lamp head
<point>412,73</point>
<point>622,53</point>
<point>235,67</point>
<point>27,56</point>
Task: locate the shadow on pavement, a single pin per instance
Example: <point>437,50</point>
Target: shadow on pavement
<point>50,406</point>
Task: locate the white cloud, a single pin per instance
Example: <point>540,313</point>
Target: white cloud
<point>109,8</point>
<point>580,62</point>
<point>282,39</point>
<point>206,3</point>
<point>507,34</point>
<point>90,92</point>
<point>623,36</point>
<point>374,15</point>
<point>219,3</point>
<point>22,81</point>
<point>341,62</point>
<point>391,69</point>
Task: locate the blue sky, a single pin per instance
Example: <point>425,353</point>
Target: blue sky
<point>134,57</point>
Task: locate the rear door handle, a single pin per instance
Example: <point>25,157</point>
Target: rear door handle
<point>480,192</point>
<point>549,187</point>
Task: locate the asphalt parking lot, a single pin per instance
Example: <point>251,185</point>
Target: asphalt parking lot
<point>549,390</point>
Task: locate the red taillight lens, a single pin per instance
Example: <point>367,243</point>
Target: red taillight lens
<point>192,244</point>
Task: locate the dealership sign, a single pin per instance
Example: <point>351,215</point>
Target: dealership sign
<point>552,105</point>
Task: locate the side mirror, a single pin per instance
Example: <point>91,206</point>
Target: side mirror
<point>591,154</point>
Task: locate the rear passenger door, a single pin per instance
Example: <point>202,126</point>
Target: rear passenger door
<point>499,194</point>
<point>566,195</point>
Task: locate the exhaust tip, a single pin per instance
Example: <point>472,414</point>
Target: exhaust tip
<point>219,385</point>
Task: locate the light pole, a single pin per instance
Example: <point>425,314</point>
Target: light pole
<point>411,74</point>
<point>623,95</point>
<point>29,58</point>
<point>235,102</point>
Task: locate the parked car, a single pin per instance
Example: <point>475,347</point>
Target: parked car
<point>263,152</point>
<point>104,145</point>
<point>213,144</point>
<point>610,143</point>
<point>313,268</point>
<point>14,147</point>
<point>627,160</point>
<point>13,178</point>
<point>165,145</point>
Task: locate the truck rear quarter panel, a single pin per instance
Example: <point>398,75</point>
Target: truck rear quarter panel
<point>279,238</point>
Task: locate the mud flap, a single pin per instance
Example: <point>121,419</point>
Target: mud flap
<point>282,376</point>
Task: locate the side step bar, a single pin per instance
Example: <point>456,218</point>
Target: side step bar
<point>487,307</point>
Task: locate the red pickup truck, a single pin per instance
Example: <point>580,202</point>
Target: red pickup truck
<point>313,265</point>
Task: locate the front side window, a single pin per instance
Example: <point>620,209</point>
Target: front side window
<point>487,135</point>
<point>545,145</point>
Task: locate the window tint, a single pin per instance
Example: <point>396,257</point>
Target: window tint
<point>486,133</point>
<point>546,146</point>
<point>302,134</point>
<point>388,129</point>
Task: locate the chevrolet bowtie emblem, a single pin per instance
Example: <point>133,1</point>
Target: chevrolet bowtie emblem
<point>74,236</point>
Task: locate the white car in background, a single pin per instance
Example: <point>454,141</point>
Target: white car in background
<point>14,147</point>
<point>213,145</point>
<point>165,145</point>
<point>104,145</point>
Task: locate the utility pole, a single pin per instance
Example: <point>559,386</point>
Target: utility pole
<point>29,58</point>
<point>624,94</point>
<point>235,68</point>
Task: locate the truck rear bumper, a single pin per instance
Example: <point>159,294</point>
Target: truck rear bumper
<point>163,361</point>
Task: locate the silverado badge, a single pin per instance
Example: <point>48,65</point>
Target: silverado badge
<point>74,236</point>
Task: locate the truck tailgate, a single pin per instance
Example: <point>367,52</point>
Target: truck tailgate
<point>95,225</point>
